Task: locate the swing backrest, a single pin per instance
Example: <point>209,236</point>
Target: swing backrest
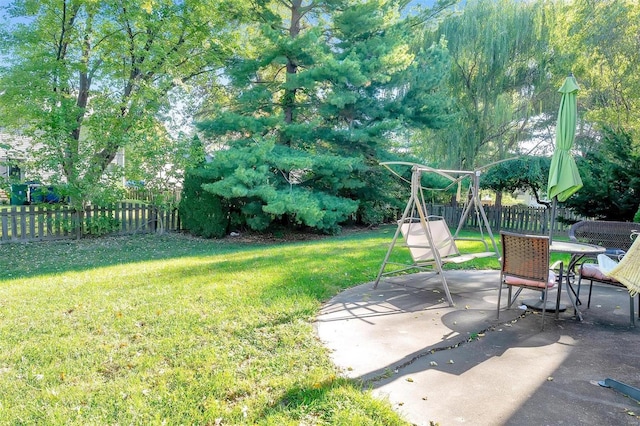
<point>417,240</point>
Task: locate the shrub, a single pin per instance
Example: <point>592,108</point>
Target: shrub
<point>202,213</point>
<point>101,225</point>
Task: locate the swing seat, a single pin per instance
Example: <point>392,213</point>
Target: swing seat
<point>417,241</point>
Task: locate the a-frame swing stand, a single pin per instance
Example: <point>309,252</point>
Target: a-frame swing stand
<point>428,237</point>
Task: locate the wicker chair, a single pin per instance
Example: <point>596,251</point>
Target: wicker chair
<point>525,264</point>
<point>625,273</point>
<point>614,236</point>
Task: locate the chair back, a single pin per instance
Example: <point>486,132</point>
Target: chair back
<point>525,256</point>
<point>627,271</point>
<point>418,243</point>
<point>608,234</point>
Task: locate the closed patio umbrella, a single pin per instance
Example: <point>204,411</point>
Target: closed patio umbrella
<point>564,178</point>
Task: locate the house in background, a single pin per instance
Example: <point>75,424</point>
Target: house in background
<point>20,183</point>
<point>13,155</point>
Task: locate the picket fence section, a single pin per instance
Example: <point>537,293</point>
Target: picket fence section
<point>46,222</point>
<point>522,219</point>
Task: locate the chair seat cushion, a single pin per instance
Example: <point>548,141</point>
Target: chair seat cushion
<point>592,271</point>
<point>511,280</point>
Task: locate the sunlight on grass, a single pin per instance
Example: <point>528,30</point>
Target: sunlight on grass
<point>146,330</point>
<point>171,329</point>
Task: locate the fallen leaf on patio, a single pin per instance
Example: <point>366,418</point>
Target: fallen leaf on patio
<point>409,379</point>
<point>480,334</point>
<point>549,379</point>
<point>450,361</point>
<point>424,398</point>
<point>433,363</point>
<point>466,307</point>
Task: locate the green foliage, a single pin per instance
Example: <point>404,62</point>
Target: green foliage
<point>246,175</point>
<point>88,79</point>
<point>524,173</point>
<point>302,147</point>
<point>602,40</point>
<point>96,225</point>
<point>201,212</point>
<point>611,178</point>
<point>499,62</point>
<point>101,225</point>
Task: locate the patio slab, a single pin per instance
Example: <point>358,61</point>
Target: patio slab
<point>460,365</point>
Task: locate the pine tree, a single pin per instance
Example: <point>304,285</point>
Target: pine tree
<point>314,110</point>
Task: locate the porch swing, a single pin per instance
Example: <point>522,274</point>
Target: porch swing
<point>427,236</point>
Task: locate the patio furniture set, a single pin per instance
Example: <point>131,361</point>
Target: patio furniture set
<point>601,251</point>
<point>604,252</point>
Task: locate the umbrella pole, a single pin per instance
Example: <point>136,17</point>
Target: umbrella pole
<point>552,219</point>
<point>538,303</point>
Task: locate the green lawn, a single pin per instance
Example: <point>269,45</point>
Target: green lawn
<point>176,330</point>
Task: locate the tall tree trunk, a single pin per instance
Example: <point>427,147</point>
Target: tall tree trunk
<point>292,68</point>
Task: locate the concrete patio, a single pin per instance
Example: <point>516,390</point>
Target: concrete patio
<point>460,365</point>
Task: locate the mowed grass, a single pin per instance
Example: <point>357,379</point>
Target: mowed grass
<point>171,329</point>
<point>175,330</point>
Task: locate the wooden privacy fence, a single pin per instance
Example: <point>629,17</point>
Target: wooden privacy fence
<point>530,220</point>
<point>46,222</point>
<point>54,222</point>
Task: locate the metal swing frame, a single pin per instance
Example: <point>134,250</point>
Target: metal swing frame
<point>428,237</point>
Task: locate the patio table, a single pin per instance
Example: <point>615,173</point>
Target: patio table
<point>577,252</point>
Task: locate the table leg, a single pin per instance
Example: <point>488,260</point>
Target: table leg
<point>574,301</point>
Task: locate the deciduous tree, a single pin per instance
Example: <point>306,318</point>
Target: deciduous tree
<point>88,78</point>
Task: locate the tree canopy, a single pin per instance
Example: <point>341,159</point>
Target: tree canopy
<point>88,79</point>
<point>298,101</point>
<point>311,112</point>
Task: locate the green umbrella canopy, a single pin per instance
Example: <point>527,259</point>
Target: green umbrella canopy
<point>564,178</point>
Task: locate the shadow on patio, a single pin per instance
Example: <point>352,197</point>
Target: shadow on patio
<point>460,364</point>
